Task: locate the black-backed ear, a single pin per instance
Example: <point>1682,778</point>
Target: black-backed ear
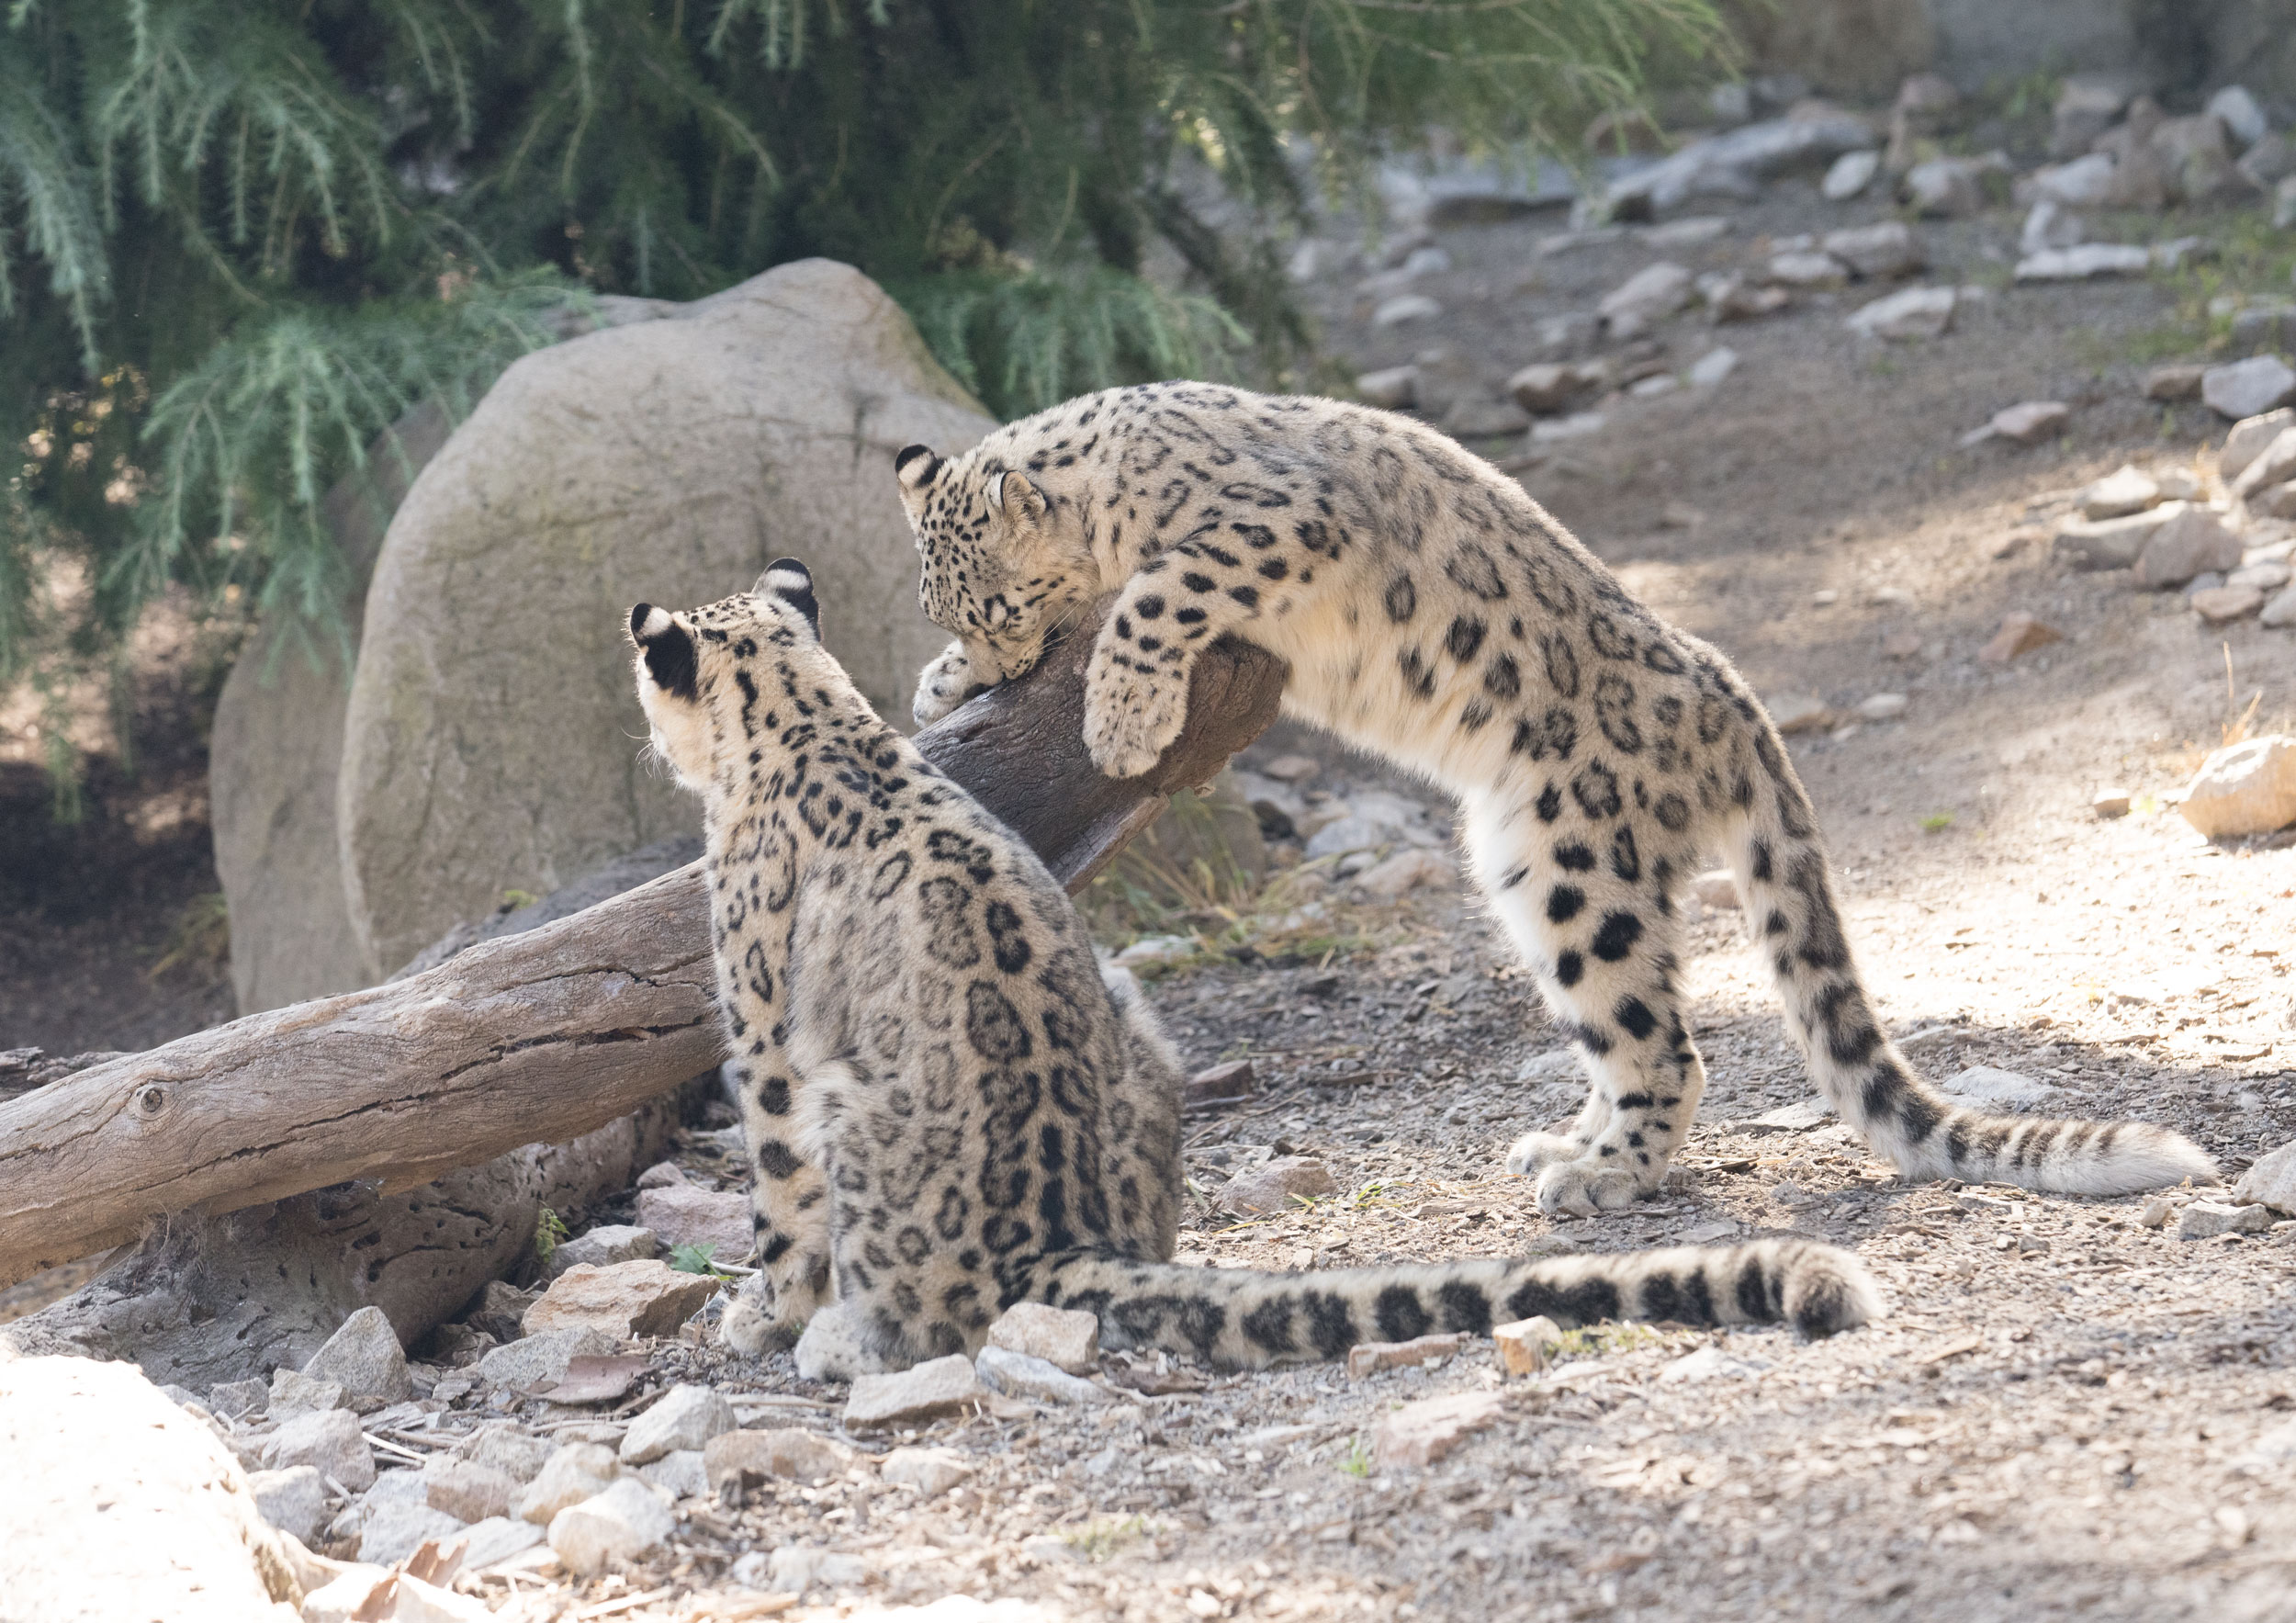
<point>791,581</point>
<point>669,658</point>
<point>915,468</point>
<point>1012,495</point>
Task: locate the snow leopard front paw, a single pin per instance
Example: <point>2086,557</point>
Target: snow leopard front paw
<point>1131,717</point>
<point>1570,1179</point>
<point>832,1348</point>
<point>767,1314</point>
<point>944,684</point>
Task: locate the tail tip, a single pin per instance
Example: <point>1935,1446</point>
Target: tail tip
<point>1828,1291</point>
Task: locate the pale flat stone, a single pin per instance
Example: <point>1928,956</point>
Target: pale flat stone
<point>1651,295</point>
<point>396,1531</point>
<point>1882,707</point>
<point>1992,1086</point>
<point>1063,1336</point>
<point>517,1453</point>
<point>2220,606</point>
<point>2029,420</point>
<point>2194,542</point>
<point>1906,317</point>
<point>2202,1220</point>
<point>1369,1357</point>
<point>2249,788</point>
<point>931,1471</point>
<point>2276,464</point>
<point>1886,249</point>
<point>1405,307</point>
<point>2113,542</point>
<point>683,1417</point>
<point>497,1539</point>
<point>365,1356</point>
<point>342,1598</point>
<point>294,1392</point>
<point>788,1452</point>
<point>680,1473</point>
<point>609,1244</point>
<point>1528,1345</point>
<point>2281,610</point>
<point>1798,712</point>
<point>621,1524</point>
<point>1422,1433</point>
<point>2247,440</point>
<point>2089,259</point>
<point>538,1362</point>
<point>576,1473</point>
<point>2124,490</point>
<point>1021,1375</point>
<point>1406,871</point>
<point>2249,388</point>
<point>1850,174</point>
<point>912,1397</point>
<point>625,1300</point>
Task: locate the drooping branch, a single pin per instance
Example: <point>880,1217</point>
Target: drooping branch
<point>534,1038</point>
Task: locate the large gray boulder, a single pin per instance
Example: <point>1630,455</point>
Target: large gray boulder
<point>492,743</point>
<point>277,746</point>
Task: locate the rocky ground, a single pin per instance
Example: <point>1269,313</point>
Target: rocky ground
<point>2072,1407</point>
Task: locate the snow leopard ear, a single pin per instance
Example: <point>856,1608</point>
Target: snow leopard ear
<point>791,581</point>
<point>669,650</point>
<point>915,468</point>
<point>1012,495</point>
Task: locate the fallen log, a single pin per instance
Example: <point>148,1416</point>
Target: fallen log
<point>535,1038</point>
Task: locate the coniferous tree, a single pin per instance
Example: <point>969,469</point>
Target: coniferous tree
<point>238,238</point>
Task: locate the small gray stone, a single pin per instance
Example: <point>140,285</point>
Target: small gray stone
<point>2080,262</point>
<point>2113,542</point>
<point>294,1392</point>
<point>2193,542</point>
<point>1277,1186</point>
<point>515,1452</point>
<point>1393,390</point>
<point>2247,440</point>
<point>1906,316</point>
<point>1063,1337</point>
<point>393,1490</point>
<point>364,1354</point>
<point>2270,1182</point>
<point>294,1500</point>
<point>607,1244</point>
<point>1405,307</point>
<point>1852,173</point>
<point>2281,610</point>
<point>1649,296</point>
<point>683,1215</point>
<point>931,1471</point>
<point>2276,464</point>
<point>2124,490</point>
<point>240,1399</point>
<point>397,1531</point>
<point>787,1452</point>
<point>911,1397</point>
<point>2249,388</point>
<point>684,1417</point>
<point>1019,1375</point>
<point>497,1539</point>
<point>534,1359</point>
<point>2204,1220</point>
<point>1989,1085</point>
<point>574,1474</point>
<point>678,1474</point>
<point>621,1524</point>
<point>328,1438</point>
<point>797,1568</point>
<point>2237,111</point>
<point>467,1490</point>
<point>1888,249</point>
<point>2030,421</point>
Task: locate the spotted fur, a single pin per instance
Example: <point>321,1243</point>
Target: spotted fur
<point>949,1110</point>
<point>1433,614</point>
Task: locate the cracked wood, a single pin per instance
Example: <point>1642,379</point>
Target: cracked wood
<point>533,1038</point>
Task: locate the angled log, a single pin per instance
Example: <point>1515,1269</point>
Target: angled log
<point>530,1038</point>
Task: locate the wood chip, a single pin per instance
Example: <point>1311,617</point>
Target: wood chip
<point>1952,1349</point>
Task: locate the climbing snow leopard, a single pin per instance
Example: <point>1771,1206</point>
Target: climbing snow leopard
<point>1432,613</point>
<point>948,1108</point>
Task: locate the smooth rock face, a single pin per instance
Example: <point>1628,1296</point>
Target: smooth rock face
<point>931,1471</point>
<point>1020,1375</point>
<point>294,1392</point>
<point>238,1399</point>
<point>2249,388</point>
<point>2221,605</point>
<point>2249,788</point>
<point>515,1452</point>
<point>619,1525</point>
<point>2124,490</point>
<point>2191,543</point>
<point>2204,1220</point>
<point>294,1500</point>
<point>1651,295</point>
<point>787,1452</point>
<point>623,1300</point>
<point>1992,1086</point>
<point>329,1439</point>
<point>684,1417</point>
<point>1060,1336</point>
<point>366,1357</point>
<point>2029,420</point>
<point>2271,1181</point>
<point>275,749</point>
<point>576,1473</point>
<point>1422,1433</point>
<point>396,1531</point>
<point>121,1506</point>
<point>745,425</point>
<point>683,1215</point>
<point>911,1397</point>
<point>497,1539</point>
<point>2276,464</point>
<point>1277,1185</point>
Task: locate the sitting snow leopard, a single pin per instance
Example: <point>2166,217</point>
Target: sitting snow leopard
<point>949,1110</point>
<point>1433,614</point>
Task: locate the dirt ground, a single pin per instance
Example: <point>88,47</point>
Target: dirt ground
<point>2065,1414</point>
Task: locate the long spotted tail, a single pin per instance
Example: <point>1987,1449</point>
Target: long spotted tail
<point>1242,1319</point>
<point>1790,909</point>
